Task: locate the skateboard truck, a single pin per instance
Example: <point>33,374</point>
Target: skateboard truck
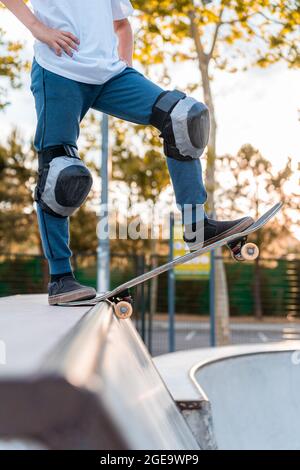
<point>243,251</point>
<point>122,304</point>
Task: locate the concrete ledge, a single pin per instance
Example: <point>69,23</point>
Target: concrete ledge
<point>29,330</point>
<point>44,396</point>
<point>96,388</point>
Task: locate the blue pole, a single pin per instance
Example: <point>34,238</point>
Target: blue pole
<point>212,294</point>
<point>212,301</point>
<point>171,289</point>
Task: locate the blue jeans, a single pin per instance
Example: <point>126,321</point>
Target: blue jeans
<point>62,103</point>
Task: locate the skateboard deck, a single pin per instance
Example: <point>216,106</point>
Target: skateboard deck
<point>236,242</point>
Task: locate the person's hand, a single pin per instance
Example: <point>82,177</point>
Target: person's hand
<point>58,41</point>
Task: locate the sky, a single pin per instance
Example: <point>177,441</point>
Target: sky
<point>260,106</point>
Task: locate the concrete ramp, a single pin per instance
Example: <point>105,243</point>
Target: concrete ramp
<point>29,330</point>
<point>255,399</point>
<point>82,380</point>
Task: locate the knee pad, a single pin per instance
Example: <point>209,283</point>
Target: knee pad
<point>64,181</point>
<point>184,124</point>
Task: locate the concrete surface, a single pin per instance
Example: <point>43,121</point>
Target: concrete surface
<point>13,444</point>
<point>255,401</point>
<point>29,329</point>
<point>135,395</point>
<point>72,379</point>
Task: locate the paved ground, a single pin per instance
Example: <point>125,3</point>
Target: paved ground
<point>197,335</point>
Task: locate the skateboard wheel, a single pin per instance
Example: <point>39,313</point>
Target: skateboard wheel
<point>250,251</point>
<point>123,310</point>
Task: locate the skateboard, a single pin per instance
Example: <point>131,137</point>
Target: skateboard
<point>120,298</point>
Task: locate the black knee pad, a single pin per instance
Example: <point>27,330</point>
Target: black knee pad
<point>184,124</point>
<point>64,181</point>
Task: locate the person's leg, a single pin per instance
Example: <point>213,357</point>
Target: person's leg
<point>60,106</point>
<point>132,97</point>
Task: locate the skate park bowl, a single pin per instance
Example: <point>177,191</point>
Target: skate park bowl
<point>255,400</point>
<point>253,392</point>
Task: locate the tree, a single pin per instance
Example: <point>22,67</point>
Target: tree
<point>144,171</point>
<point>252,187</point>
<point>16,175</point>
<point>225,35</point>
<point>17,218</point>
<point>11,65</point>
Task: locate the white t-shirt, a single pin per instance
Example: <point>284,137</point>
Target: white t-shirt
<point>97,59</point>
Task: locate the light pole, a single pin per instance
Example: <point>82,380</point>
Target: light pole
<point>103,258</point>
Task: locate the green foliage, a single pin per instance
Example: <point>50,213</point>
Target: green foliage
<point>251,186</point>
<point>17,221</point>
<point>259,32</point>
<point>83,230</point>
<point>144,171</point>
<point>11,65</point>
<point>21,275</point>
<point>139,163</point>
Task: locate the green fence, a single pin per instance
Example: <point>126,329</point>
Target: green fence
<point>279,286</point>
<point>21,274</point>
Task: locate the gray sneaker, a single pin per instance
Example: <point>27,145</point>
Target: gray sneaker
<point>67,289</point>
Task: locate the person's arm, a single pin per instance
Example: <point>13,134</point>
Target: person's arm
<point>57,40</point>
<point>124,32</point>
